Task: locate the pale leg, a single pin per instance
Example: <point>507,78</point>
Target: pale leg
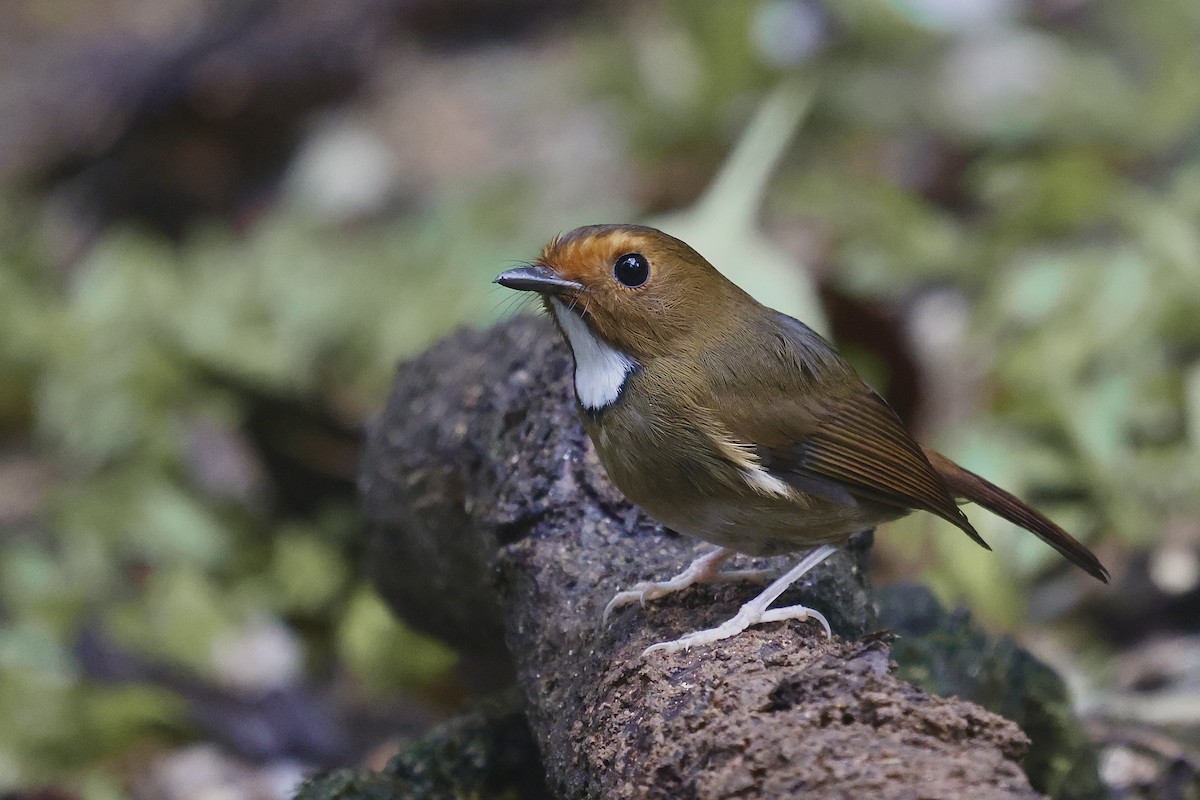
<point>757,610</point>
<point>701,570</point>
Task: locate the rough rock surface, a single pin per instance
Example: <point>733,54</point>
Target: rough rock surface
<point>492,526</point>
<point>947,653</point>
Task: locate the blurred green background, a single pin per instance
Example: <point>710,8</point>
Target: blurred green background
<point>223,223</point>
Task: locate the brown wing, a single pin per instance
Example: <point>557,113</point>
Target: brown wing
<point>841,436</point>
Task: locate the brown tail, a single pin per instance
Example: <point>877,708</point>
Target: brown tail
<point>969,486</point>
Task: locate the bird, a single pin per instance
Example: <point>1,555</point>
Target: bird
<point>735,424</point>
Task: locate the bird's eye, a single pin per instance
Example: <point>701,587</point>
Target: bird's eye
<point>632,269</point>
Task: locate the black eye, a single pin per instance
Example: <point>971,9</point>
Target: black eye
<point>632,269</point>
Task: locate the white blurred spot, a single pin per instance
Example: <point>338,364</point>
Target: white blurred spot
<point>939,320</point>
<point>787,32</point>
<point>262,656</point>
<point>954,16</point>
<point>1001,84</point>
<point>1175,569</point>
<point>1122,768</point>
<point>957,16</point>
<point>280,780</point>
<point>206,772</point>
<point>343,171</point>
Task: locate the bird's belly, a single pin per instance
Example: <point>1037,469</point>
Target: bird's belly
<point>763,526</point>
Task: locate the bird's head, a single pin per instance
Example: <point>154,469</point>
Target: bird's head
<point>636,289</point>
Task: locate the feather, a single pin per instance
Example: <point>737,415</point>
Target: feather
<point>843,436</point>
<point>969,486</point>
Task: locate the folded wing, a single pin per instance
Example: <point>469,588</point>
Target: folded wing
<point>842,436</point>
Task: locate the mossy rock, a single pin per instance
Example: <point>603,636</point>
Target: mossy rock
<point>482,755</point>
<point>946,653</point>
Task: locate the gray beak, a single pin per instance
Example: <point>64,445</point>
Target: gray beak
<point>537,278</point>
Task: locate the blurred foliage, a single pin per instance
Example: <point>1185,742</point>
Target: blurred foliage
<point>1041,160</point>
<point>137,352</point>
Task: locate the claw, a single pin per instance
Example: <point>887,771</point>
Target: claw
<point>758,610</point>
<point>747,616</point>
<point>701,570</point>
<point>622,599</point>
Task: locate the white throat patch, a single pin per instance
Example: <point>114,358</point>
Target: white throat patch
<point>600,370</point>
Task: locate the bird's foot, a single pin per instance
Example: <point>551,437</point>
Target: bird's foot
<point>758,610</point>
<point>701,570</point>
<point>748,615</point>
